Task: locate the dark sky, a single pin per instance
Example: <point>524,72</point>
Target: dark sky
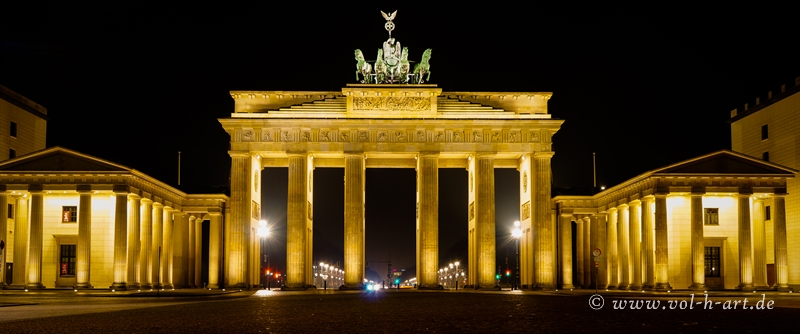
<point>135,84</point>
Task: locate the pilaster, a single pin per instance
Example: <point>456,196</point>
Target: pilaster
<point>84,247</point>
<point>157,250</point>
<point>781,259</point>
<point>180,248</point>
<point>579,251</point>
<point>600,234</point>
<point>20,276</point>
<point>485,221</point>
<point>239,230</point>
<point>698,249</point>
<point>198,252</point>
<point>167,253</point>
<point>191,255</point>
<point>214,249</point>
<point>428,228</point>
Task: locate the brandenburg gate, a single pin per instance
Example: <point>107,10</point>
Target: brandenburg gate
<point>391,120</point>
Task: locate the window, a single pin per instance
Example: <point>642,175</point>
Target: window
<point>12,153</point>
<point>13,129</point>
<point>765,156</point>
<point>767,213</point>
<point>712,262</point>
<point>68,254</point>
<point>11,211</point>
<point>764,131</point>
<point>69,214</point>
<point>711,216</point>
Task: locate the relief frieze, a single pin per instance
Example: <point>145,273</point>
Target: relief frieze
<point>391,103</point>
<point>324,135</point>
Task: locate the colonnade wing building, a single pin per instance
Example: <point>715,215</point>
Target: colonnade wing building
<point>718,221</point>
<point>68,219</point>
<point>390,126</point>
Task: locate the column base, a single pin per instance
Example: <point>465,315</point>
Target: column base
<point>635,287</point>
<point>623,286</point>
<point>697,286</point>
<point>762,287</point>
<point>15,287</point>
<point>487,288</point>
<point>294,288</point>
<point>663,287</point>
<point>784,289</point>
<point>168,286</point>
<point>543,287</point>
<point>146,286</point>
<point>119,286</point>
<point>433,287</point>
<point>82,286</point>
<point>611,287</point>
<point>213,286</point>
<point>2,285</point>
<point>134,286</point>
<point>34,286</point>
<point>648,286</point>
<point>567,286</point>
<point>353,287</point>
<point>745,286</point>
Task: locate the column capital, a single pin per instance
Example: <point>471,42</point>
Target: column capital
<point>745,191</point>
<point>483,155</point>
<point>635,202</point>
<point>121,189</point>
<point>698,191</point>
<point>623,206</point>
<point>83,188</point>
<point>611,210</point>
<point>661,192</point>
<point>157,204</point>
<point>301,154</point>
<point>35,188</point>
<point>779,192</point>
<point>543,155</point>
<point>239,154</point>
<point>134,196</point>
<point>429,154</point>
<point>648,198</point>
<point>146,200</point>
<point>354,154</point>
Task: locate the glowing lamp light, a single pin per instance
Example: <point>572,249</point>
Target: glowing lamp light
<point>263,230</point>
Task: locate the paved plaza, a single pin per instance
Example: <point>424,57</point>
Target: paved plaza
<point>261,311</point>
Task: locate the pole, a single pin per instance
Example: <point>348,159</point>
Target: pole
<point>159,271</point>
<point>516,279</point>
<point>594,171</point>
<point>179,167</point>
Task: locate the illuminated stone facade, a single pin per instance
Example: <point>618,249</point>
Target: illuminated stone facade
<point>23,125</point>
<point>698,224</point>
<point>391,126</point>
<point>82,222</point>
<point>771,130</point>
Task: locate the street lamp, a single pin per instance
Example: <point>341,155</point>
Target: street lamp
<point>263,234</point>
<point>456,263</point>
<point>517,233</point>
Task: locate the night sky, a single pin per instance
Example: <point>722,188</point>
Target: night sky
<point>135,84</point>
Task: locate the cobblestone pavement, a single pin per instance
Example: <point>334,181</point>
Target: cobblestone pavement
<point>390,311</point>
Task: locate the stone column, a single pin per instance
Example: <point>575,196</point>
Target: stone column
<point>566,250</point>
<point>623,244</point>
<point>779,226</point>
<point>698,249</point>
<point>354,183</point>
<point>214,249</point>
<point>599,233</point>
<point>579,250</point>
<point>428,229</point>
<point>745,249</point>
<point>635,210</point>
<point>3,234</point>
<point>198,253</point>
<point>588,264</point>
<point>661,243</point>
<point>190,255</point>
<point>145,257</point>
<point>156,249</point>
<point>179,240</point>
<point>545,248</point>
<point>759,245</point>
<point>485,221</point>
<point>296,225</point>
<point>611,240</point>
<point>84,248</point>
<point>134,233</point>
<point>36,240</point>
<point>649,242</point>
<point>239,228</point>
<point>167,260</point>
<point>20,243</point>
<point>120,239</point>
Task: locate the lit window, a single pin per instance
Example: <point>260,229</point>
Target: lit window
<point>713,261</point>
<point>765,156</point>
<point>764,131</point>
<point>68,254</point>
<point>767,213</point>
<point>13,129</point>
<point>711,216</point>
<point>69,214</point>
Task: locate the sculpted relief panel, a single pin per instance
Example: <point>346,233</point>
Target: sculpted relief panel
<point>391,103</point>
<point>462,135</point>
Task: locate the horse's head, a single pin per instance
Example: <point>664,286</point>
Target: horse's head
<point>404,54</point>
<point>426,55</point>
<point>359,55</point>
